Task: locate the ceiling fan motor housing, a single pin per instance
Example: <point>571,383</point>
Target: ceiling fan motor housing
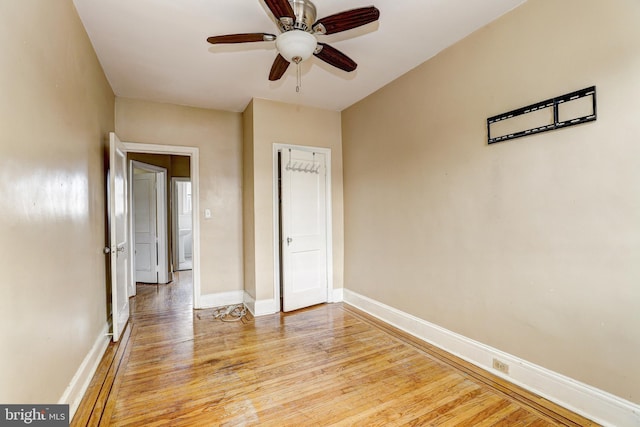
<point>305,13</point>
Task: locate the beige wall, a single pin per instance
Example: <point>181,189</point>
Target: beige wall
<point>218,136</point>
<point>176,166</point>
<point>531,246</point>
<point>275,122</point>
<point>55,110</point>
<point>180,167</point>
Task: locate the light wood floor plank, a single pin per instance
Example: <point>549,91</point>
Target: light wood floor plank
<point>326,365</point>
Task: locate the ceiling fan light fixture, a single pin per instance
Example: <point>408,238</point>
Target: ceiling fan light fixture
<point>296,45</point>
<point>297,22</point>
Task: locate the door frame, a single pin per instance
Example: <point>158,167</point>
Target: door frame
<point>279,147</point>
<point>194,154</point>
<point>161,221</point>
<point>174,216</point>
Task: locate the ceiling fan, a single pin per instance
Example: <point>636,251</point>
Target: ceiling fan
<point>299,28</point>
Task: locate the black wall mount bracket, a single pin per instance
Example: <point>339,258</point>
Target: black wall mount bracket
<point>555,113</point>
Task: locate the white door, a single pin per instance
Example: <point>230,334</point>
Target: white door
<point>117,194</point>
<point>304,229</point>
<point>145,227</point>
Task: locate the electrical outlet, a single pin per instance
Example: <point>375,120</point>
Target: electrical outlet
<point>500,366</point>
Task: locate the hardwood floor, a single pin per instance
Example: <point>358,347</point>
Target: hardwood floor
<point>326,365</point>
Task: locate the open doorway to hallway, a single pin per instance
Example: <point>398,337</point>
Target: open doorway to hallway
<point>154,300</point>
<point>149,228</point>
<point>186,160</point>
<point>174,167</point>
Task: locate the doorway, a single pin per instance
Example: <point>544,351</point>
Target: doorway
<point>194,164</point>
<point>302,226</point>
<point>149,223</point>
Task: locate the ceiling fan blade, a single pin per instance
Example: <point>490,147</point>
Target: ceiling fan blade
<point>280,8</point>
<point>278,68</point>
<point>333,56</point>
<point>241,38</point>
<point>347,20</point>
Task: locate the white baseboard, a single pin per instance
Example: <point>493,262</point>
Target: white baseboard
<point>337,295</point>
<point>76,389</point>
<point>595,404</point>
<point>221,298</point>
<point>270,306</point>
<point>261,307</point>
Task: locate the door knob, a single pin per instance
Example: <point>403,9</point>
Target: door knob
<point>107,250</point>
<point>289,240</point>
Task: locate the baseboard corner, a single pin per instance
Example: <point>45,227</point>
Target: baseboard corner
<point>337,295</point>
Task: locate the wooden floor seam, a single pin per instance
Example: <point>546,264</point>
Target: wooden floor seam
<point>325,397</point>
<point>510,390</point>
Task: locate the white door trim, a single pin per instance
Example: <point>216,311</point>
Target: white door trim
<point>161,216</point>
<point>194,154</point>
<point>276,218</point>
<point>174,219</point>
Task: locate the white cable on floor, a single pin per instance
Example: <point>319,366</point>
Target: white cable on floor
<point>230,313</point>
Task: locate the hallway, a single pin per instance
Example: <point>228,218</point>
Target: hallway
<point>326,365</point>
<point>151,299</point>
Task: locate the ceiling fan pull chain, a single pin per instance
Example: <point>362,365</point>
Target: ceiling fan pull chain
<point>298,78</point>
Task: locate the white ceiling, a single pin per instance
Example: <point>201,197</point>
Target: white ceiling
<point>156,49</point>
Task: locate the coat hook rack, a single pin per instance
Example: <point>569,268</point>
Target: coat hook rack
<point>306,167</point>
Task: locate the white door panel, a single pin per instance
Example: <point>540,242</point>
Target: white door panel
<point>143,255</point>
<point>120,269</point>
<point>304,225</point>
<point>145,227</point>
